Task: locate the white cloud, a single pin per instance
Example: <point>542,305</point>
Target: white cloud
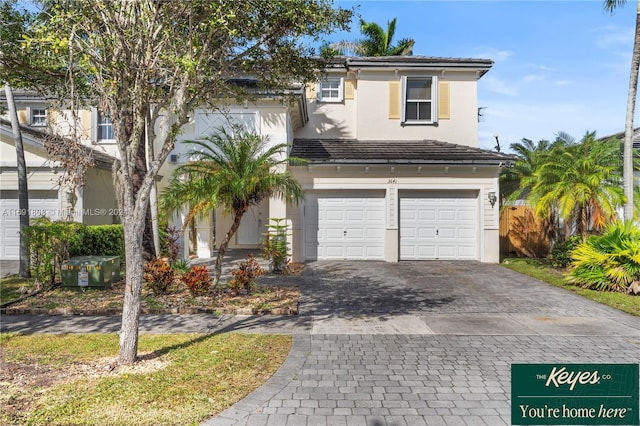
<point>612,36</point>
<point>493,53</point>
<point>532,77</point>
<point>496,85</point>
<point>562,82</point>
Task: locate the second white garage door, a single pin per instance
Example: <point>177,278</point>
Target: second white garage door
<point>344,225</point>
<point>439,225</point>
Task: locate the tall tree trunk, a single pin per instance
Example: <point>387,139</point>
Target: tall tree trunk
<point>133,288</point>
<point>148,246</point>
<point>217,270</point>
<point>23,191</point>
<point>628,181</point>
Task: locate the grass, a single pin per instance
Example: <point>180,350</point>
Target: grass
<point>183,378</point>
<point>542,270</point>
<point>9,288</point>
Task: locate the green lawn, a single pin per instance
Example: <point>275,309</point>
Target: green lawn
<point>543,271</point>
<point>182,380</point>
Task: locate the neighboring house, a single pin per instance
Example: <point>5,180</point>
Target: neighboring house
<point>46,196</point>
<point>393,170</point>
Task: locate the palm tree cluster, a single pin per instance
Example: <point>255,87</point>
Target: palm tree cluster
<point>376,42</point>
<point>579,182</point>
<point>234,170</point>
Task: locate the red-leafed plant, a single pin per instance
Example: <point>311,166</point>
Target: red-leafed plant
<point>245,276</point>
<point>197,280</point>
<point>158,275</point>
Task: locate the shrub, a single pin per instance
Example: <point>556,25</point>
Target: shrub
<point>197,280</point>
<point>102,240</point>
<point>50,244</point>
<point>169,247</point>
<point>181,266</point>
<point>275,247</point>
<point>245,276</point>
<point>561,251</point>
<point>158,275</point>
<point>610,261</point>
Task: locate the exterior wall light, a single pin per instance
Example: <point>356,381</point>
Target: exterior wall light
<point>492,198</point>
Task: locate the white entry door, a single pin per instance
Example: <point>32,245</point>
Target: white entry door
<point>439,225</point>
<point>344,225</point>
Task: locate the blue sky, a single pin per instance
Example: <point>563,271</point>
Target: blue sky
<point>559,66</point>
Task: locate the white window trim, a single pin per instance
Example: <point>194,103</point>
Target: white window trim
<point>340,97</point>
<point>94,129</point>
<point>30,116</point>
<point>434,100</point>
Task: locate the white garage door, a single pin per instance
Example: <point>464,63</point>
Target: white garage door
<point>41,203</point>
<point>345,225</point>
<point>439,226</point>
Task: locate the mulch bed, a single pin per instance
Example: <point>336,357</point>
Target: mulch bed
<point>262,300</point>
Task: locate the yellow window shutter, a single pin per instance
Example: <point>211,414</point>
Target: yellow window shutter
<point>312,91</point>
<point>444,101</point>
<point>349,89</point>
<point>394,100</point>
<point>23,117</point>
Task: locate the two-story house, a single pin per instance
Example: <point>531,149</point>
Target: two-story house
<point>392,171</point>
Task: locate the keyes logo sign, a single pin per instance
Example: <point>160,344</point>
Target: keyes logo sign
<point>575,394</point>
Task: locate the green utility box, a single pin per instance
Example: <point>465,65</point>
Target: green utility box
<point>90,271</point>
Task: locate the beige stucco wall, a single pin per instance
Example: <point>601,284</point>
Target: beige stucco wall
<point>98,199</point>
<point>366,117</point>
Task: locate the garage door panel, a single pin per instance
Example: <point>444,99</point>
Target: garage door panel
<point>435,225</point>
<point>41,203</point>
<point>349,225</point>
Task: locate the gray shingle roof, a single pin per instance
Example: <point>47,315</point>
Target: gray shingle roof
<point>350,151</point>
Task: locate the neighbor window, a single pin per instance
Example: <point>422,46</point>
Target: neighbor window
<point>330,89</point>
<point>38,117</point>
<point>419,100</point>
<point>105,127</point>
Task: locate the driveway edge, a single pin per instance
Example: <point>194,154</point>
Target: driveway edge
<point>300,348</point>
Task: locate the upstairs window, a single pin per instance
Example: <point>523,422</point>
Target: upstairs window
<point>419,105</point>
<point>330,90</point>
<point>38,117</point>
<point>105,128</point>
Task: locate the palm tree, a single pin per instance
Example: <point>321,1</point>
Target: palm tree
<point>579,180</point>
<point>628,182</point>
<point>235,170</point>
<point>377,42</point>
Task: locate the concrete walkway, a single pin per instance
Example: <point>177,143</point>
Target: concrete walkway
<point>414,343</point>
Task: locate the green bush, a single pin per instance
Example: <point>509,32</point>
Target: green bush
<point>50,244</point>
<point>561,251</point>
<point>103,240</point>
<point>275,247</point>
<point>610,261</point>
<point>158,275</point>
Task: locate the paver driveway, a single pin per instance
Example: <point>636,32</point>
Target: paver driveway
<point>426,343</point>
